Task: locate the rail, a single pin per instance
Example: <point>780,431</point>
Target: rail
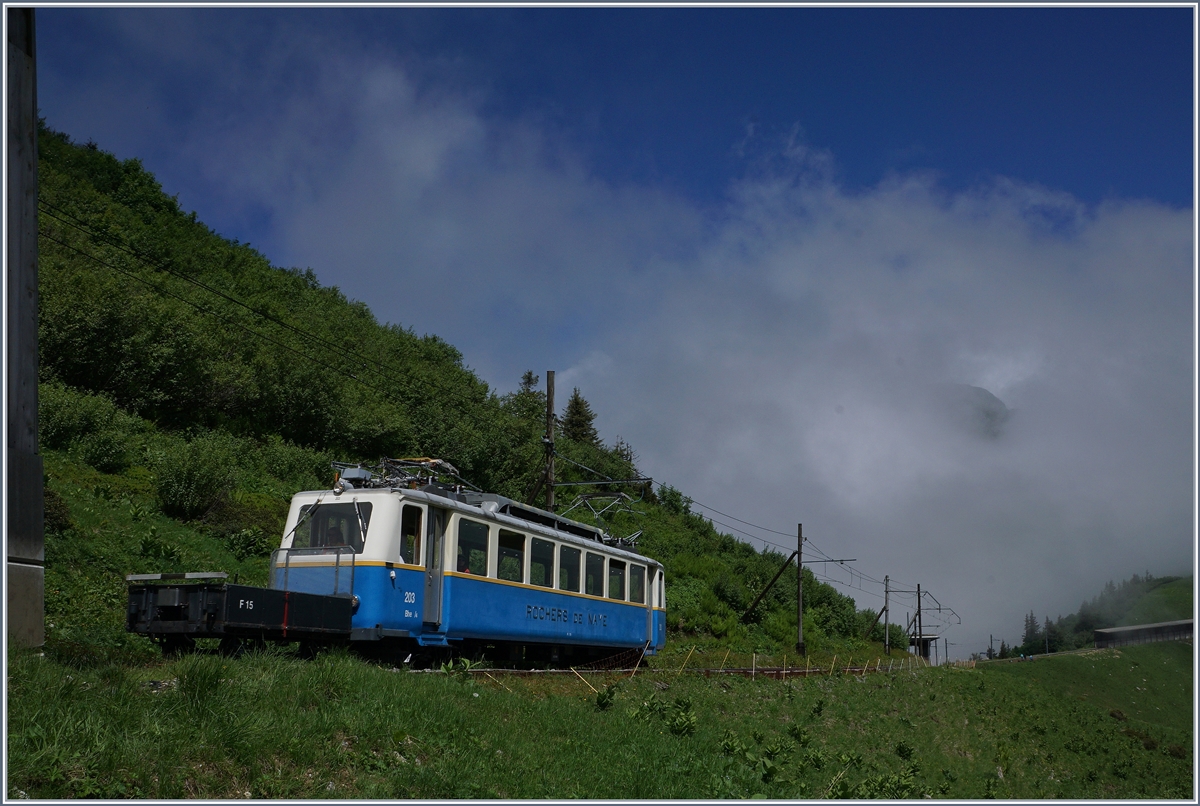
<point>910,664</point>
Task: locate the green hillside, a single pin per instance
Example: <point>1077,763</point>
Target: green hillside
<point>1170,601</point>
<point>1138,600</point>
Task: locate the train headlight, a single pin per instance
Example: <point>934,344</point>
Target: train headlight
<point>354,603</point>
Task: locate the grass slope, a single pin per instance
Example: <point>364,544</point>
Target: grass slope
<point>270,725</point>
<point>1171,601</point>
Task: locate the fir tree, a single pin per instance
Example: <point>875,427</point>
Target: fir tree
<point>529,381</point>
<point>578,423</point>
<point>1033,633</point>
<point>625,452</point>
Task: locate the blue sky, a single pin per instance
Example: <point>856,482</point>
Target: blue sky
<point>771,246</point>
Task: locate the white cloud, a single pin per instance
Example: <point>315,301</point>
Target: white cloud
<point>803,380</point>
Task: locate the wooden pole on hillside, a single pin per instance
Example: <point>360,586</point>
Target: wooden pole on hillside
<point>920,627</point>
<point>550,440</point>
<point>887,636</point>
<point>800,589</point>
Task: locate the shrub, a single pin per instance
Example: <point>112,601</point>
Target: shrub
<point>191,477</point>
<point>89,426</point>
<point>242,511</point>
<point>252,542</point>
<point>299,468</point>
<point>57,517</point>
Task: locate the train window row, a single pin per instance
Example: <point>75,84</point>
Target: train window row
<point>534,560</point>
<point>518,557</point>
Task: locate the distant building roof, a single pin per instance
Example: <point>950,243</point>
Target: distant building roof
<point>1132,627</point>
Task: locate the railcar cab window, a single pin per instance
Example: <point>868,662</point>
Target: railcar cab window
<point>541,563</point>
<point>568,568</point>
<point>332,525</point>
<point>637,584</point>
<point>511,557</point>
<point>594,575</point>
<point>472,548</point>
<point>410,535</point>
<point>616,579</point>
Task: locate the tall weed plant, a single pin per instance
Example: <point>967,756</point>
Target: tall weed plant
<point>191,476</point>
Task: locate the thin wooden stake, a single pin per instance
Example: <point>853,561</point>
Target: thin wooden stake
<point>636,665</point>
<point>833,664</point>
<point>848,664</point>
<point>807,665</point>
<point>723,660</point>
<point>506,688</point>
<point>685,662</point>
<point>585,682</point>
<point>785,667</point>
<point>835,780</point>
<point>753,664</point>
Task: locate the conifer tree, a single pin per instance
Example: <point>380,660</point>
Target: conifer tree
<point>578,423</point>
<point>529,381</point>
<point>1032,632</point>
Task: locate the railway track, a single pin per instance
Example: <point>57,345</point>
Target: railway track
<point>773,672</point>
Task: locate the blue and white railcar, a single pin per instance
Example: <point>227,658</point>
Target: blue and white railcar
<point>441,569</point>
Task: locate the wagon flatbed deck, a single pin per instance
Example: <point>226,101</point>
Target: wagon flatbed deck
<point>176,609</point>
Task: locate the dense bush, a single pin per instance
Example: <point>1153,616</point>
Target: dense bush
<point>90,426</point>
<point>192,476</point>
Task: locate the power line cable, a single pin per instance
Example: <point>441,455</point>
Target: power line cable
<point>739,520</point>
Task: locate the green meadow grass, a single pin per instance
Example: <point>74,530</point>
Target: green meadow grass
<point>271,725</point>
<point>1150,684</point>
<point>100,714</point>
<point>1171,601</point>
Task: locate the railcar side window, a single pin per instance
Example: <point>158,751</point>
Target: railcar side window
<point>594,575</point>
<point>637,584</point>
<point>616,579</point>
<point>472,548</point>
<point>332,525</point>
<point>541,563</point>
<point>410,536</point>
<point>568,568</point>
<point>662,591</point>
<point>511,557</point>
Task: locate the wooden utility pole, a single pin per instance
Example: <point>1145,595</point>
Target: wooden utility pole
<point>887,630</point>
<point>800,589</point>
<point>550,440</point>
<point>920,627</point>
<point>26,574</point>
